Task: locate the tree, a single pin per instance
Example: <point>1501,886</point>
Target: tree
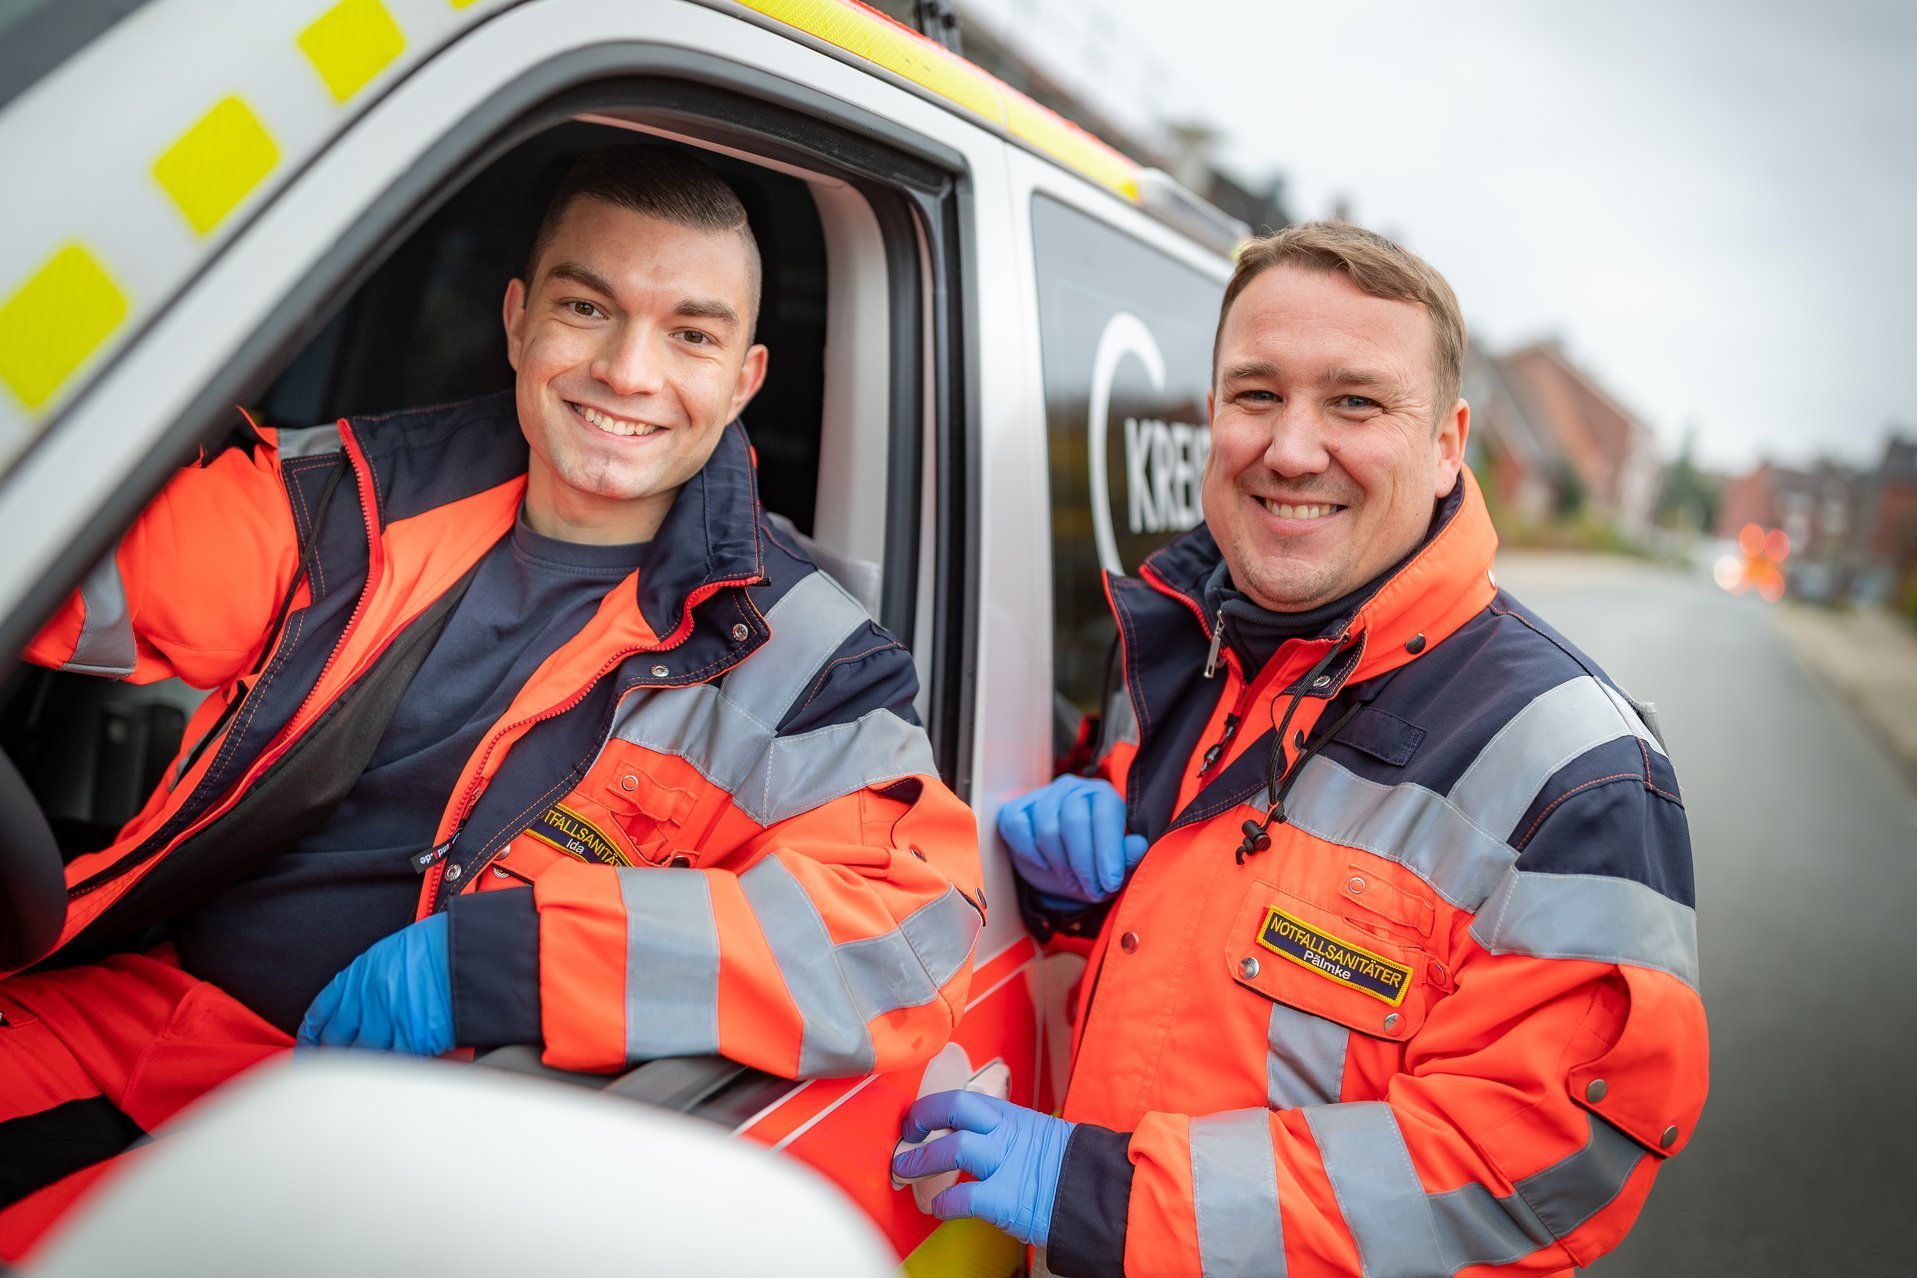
<point>1688,497</point>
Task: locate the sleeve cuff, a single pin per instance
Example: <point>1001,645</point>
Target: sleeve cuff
<point>1089,1213</point>
<point>495,962</point>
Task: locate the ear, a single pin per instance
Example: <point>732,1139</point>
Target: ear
<point>513,314</point>
<point>1447,445</point>
<point>1211,453</point>
<point>751,378</point>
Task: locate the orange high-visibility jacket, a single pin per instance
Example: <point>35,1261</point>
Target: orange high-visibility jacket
<point>1447,1020</point>
<point>732,827</point>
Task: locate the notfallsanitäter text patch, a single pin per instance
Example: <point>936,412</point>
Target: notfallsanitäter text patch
<point>1333,959</point>
<point>572,834</point>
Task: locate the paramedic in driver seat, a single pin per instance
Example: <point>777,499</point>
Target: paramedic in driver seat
<point>1386,888</point>
<point>571,748</point>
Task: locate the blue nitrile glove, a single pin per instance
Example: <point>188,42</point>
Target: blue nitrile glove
<point>396,997</point>
<point>1068,841</point>
<point>1015,1152</point>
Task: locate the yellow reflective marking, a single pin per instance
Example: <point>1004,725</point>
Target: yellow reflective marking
<point>905,53</point>
<point>217,163</point>
<point>58,318</point>
<point>965,1249</point>
<point>1070,145</point>
<point>464,4</point>
<point>351,43</point>
<point>880,40</point>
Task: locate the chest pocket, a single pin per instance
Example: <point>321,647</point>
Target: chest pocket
<point>1316,959</point>
<point>632,808</point>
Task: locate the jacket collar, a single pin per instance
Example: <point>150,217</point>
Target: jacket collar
<point>1409,609</point>
<point>1445,584</point>
<point>710,537</point>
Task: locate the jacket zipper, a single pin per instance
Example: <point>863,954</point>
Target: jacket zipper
<point>375,567</point>
<point>1216,628</point>
<point>1236,716</point>
<point>1217,636</point>
<point>1150,576</point>
<point>477,785</point>
<point>433,861</point>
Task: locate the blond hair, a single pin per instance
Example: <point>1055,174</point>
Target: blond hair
<point>1379,267</point>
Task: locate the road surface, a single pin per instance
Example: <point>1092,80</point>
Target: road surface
<point>1805,836</point>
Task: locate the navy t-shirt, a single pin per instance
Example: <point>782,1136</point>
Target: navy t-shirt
<point>277,938</point>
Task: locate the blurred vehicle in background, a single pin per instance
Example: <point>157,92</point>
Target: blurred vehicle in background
<point>1757,565</point>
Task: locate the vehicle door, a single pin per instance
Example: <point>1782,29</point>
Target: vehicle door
<point>1098,463</point>
<point>287,218</point>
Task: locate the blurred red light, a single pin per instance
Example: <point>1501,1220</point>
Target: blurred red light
<point>1750,540</point>
<point>1777,545</point>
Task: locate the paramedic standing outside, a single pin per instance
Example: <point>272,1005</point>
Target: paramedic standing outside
<point>1406,982</point>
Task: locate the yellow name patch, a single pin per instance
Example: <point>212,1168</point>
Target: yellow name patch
<point>1333,959</point>
<point>572,834</point>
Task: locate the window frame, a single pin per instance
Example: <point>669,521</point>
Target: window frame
<point>917,189</point>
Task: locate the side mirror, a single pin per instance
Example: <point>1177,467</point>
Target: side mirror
<point>352,1163</point>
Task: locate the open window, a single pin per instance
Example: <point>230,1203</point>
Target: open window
<point>425,328</point>
<point>852,236</point>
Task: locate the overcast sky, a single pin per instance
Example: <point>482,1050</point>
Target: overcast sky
<point>1713,203</point>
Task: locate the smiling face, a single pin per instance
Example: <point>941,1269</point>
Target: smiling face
<point>1327,450</point>
<point>632,345</point>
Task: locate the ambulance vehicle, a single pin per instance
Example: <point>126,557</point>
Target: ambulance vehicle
<point>990,339</point>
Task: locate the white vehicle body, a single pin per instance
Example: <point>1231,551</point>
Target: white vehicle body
<point>1011,354</point>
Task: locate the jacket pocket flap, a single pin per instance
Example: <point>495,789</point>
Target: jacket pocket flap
<point>1650,1081</point>
<point>630,787</point>
<point>1303,955</point>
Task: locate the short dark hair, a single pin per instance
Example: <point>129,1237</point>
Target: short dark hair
<point>656,181</point>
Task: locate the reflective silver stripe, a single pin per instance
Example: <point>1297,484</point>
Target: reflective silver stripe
<point>1570,1192</point>
<point>1557,727</point>
<point>727,731</point>
<point>1402,1232</point>
<point>1543,915</point>
<point>308,441</point>
<point>908,967</point>
<point>833,1038</point>
<point>808,624</point>
<point>1306,1064</point>
<point>839,989</point>
<point>771,778</point>
<point>1378,1192</point>
<point>943,934</point>
<point>797,774</point>
<point>1418,828</point>
<point>1476,1228</point>
<point>1589,916</point>
<point>672,964</point>
<point>862,579</point>
<point>106,645</point>
<point>1234,1186</point>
